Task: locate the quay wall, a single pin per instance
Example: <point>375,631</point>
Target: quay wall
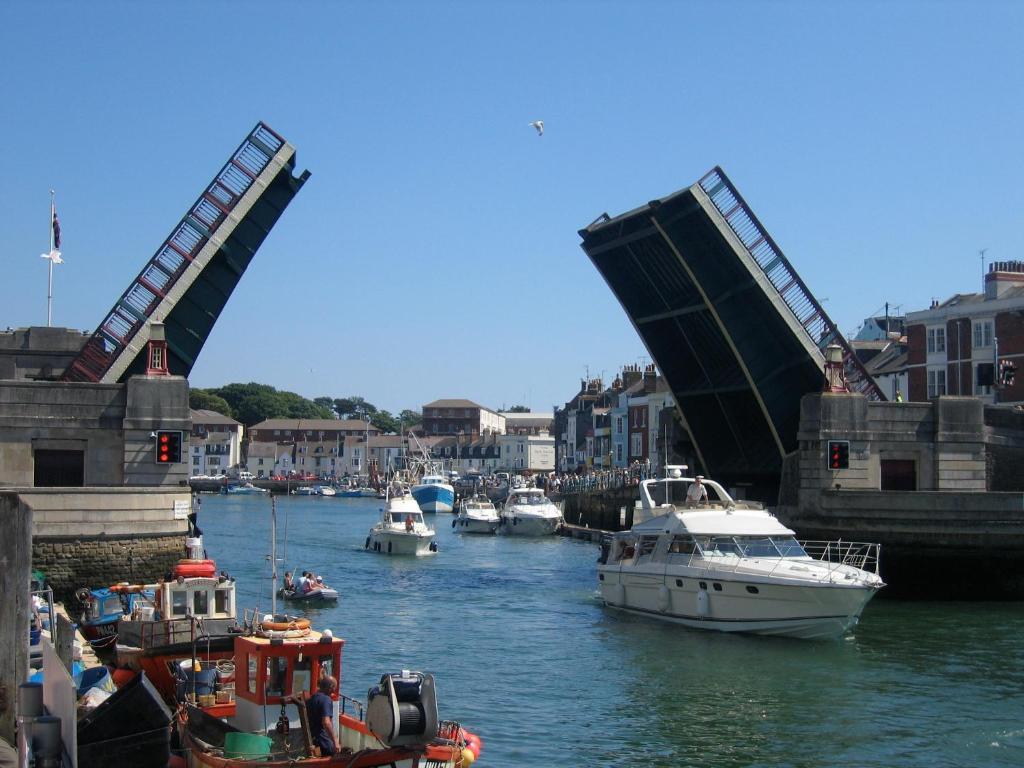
<point>99,536</point>
<point>599,509</point>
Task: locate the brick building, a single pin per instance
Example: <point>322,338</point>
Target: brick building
<point>955,347</point>
<point>459,416</point>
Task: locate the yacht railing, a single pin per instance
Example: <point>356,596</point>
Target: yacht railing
<point>867,557</point>
<point>836,554</point>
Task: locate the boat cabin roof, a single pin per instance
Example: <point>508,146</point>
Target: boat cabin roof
<point>714,522</point>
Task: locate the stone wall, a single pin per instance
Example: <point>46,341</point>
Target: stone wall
<point>70,563</point>
<point>600,509</point>
<point>100,536</point>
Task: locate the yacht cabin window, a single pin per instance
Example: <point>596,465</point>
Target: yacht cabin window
<point>200,603</point>
<point>682,545</point>
<point>647,545</point>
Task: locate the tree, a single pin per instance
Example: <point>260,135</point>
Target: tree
<point>205,400</point>
<point>252,403</point>
<point>325,402</point>
<point>351,407</point>
<point>384,421</point>
<point>518,409</point>
<point>410,418</point>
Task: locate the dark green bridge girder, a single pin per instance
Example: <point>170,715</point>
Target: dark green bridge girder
<point>190,323</point>
<point>735,367</point>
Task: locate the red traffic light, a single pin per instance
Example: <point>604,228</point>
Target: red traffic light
<point>168,447</point>
<point>838,454</point>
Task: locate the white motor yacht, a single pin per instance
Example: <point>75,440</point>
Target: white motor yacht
<point>732,566</point>
<point>401,530</point>
<point>476,515</point>
<point>528,512</point>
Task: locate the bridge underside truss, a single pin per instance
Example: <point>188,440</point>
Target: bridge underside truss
<point>736,351</point>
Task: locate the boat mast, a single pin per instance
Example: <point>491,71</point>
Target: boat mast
<point>273,556</point>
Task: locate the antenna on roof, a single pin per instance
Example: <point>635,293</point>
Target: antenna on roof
<point>981,254</point>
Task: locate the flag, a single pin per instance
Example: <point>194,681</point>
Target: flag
<point>56,231</point>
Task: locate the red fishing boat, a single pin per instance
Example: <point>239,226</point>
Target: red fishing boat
<point>280,662</point>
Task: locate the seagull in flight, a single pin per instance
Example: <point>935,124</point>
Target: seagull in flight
<point>539,125</point>
<point>53,255</point>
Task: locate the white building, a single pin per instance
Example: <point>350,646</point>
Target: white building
<point>519,453</point>
<point>215,445</point>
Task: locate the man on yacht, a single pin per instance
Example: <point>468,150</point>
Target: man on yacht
<point>697,493</point>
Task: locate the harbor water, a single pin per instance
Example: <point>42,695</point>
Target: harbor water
<point>525,655</point>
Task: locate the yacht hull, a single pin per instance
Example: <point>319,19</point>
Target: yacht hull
<point>400,543</point>
<point>524,525</point>
<point>806,611</point>
<point>469,525</point>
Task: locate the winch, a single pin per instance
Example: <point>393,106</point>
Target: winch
<point>402,710</point>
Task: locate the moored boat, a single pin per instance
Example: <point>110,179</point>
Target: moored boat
<point>433,493</point>
<point>528,512</point>
<point>712,562</point>
<point>477,515</point>
<point>244,488</point>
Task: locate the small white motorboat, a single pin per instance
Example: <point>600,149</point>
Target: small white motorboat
<point>528,512</point>
<point>477,515</point>
<point>704,560</point>
<point>401,530</point>
<point>325,490</point>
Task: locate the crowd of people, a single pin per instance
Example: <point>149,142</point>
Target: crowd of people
<point>598,479</point>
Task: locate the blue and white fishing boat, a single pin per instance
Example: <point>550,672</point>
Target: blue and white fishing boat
<point>434,494</point>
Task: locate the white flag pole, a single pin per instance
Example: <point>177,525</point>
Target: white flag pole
<point>49,286</point>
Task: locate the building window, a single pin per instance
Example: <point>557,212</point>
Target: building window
<point>981,374</point>
<point>936,382</point>
<point>618,425</point>
<point>618,452</point>
<point>936,339</point>
<point>983,333</point>
<point>635,444</point>
<point>195,461</point>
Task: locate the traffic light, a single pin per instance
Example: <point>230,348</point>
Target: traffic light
<point>838,454</point>
<point>168,447</point>
<point>1007,372</point>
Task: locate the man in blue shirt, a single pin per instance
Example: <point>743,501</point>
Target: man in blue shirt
<point>320,713</point>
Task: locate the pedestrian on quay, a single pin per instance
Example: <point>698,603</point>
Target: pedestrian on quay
<point>194,531</point>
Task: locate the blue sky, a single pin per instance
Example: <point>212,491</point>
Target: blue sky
<point>434,251</point>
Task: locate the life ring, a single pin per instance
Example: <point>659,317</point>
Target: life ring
<point>200,568</point>
<point>284,626</point>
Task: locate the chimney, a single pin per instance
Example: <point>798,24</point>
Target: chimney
<point>650,378</point>
<point>630,375</point>
<point>1001,277</point>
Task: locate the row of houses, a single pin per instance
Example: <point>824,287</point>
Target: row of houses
<point>468,437</point>
<point>632,421</point>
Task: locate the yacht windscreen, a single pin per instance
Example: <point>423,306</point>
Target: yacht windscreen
<point>750,546</point>
<point>789,547</point>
